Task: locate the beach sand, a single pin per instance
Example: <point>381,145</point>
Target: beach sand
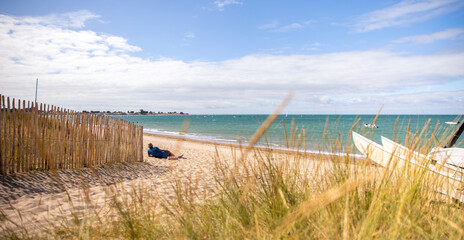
<point>35,200</point>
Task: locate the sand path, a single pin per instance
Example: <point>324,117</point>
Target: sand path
<point>37,199</point>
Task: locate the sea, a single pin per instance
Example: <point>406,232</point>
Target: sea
<point>318,132</point>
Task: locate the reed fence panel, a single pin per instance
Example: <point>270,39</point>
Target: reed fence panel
<point>37,136</point>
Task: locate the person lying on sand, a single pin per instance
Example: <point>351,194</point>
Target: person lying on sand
<point>160,153</point>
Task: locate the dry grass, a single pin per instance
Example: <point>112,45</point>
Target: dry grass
<point>261,194</point>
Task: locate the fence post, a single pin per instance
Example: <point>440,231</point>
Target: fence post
<point>3,143</point>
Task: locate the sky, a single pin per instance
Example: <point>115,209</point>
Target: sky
<point>236,56</point>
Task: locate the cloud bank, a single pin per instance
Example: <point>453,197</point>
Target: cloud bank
<point>85,70</point>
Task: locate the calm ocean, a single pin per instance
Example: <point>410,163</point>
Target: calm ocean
<point>231,128</point>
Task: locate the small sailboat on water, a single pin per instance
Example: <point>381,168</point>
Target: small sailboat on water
<point>368,125</point>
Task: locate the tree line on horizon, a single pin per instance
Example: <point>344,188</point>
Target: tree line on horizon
<point>140,112</point>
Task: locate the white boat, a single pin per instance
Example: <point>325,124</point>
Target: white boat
<point>372,150</point>
<point>397,157</point>
<point>450,156</point>
<point>368,125</point>
<point>447,156</point>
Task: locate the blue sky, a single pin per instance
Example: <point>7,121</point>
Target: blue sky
<point>236,56</point>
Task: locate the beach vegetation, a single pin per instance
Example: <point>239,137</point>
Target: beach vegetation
<point>264,193</point>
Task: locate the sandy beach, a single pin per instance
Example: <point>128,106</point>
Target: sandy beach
<point>40,198</point>
<point>35,198</point>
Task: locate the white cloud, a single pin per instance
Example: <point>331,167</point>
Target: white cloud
<point>189,35</point>
<point>120,44</point>
<point>315,46</point>
<point>87,70</point>
<point>187,39</point>
<point>274,26</point>
<point>72,19</point>
<point>447,34</point>
<point>270,25</point>
<point>405,12</point>
<point>289,27</point>
<point>221,4</point>
<point>444,102</point>
<point>76,19</point>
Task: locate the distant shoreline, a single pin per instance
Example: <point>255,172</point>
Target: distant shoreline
<point>108,113</point>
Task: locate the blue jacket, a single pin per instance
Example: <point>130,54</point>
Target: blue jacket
<point>157,153</point>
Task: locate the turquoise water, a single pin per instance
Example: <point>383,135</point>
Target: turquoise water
<point>235,128</point>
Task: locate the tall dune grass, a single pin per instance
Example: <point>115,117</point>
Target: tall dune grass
<point>266,194</point>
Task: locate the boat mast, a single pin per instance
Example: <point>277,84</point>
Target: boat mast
<point>36,86</point>
<point>457,133</point>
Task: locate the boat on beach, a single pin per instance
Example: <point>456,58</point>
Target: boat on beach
<point>441,165</point>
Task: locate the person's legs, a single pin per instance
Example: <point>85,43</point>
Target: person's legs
<point>173,155</point>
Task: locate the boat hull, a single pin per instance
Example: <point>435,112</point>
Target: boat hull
<point>401,159</point>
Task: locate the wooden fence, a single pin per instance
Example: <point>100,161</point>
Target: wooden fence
<point>39,136</point>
